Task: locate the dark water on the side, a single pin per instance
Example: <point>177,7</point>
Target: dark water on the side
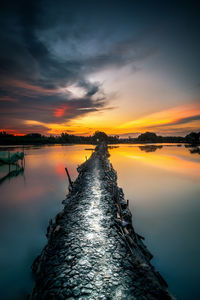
<point>163,189</point>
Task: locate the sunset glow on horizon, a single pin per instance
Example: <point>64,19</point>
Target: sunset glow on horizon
<point>163,122</point>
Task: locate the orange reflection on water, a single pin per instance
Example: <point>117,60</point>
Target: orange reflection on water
<point>69,155</point>
<point>172,159</point>
<point>60,170</point>
<point>56,158</point>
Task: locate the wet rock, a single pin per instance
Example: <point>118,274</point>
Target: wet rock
<point>88,286</point>
<point>76,291</point>
<point>57,228</point>
<point>69,258</point>
<point>85,291</point>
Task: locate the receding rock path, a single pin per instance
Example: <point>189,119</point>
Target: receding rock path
<point>93,251</point>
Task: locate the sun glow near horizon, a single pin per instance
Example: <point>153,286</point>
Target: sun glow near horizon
<point>161,122</point>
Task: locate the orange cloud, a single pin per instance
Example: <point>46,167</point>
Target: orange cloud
<point>178,120</point>
<point>59,112</point>
<point>167,117</point>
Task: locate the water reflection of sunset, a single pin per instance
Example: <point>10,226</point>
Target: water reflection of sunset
<point>172,159</point>
<point>161,185</point>
<point>60,169</point>
<point>56,158</point>
<point>62,154</point>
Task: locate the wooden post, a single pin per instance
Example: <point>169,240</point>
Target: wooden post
<point>69,178</point>
<point>9,160</point>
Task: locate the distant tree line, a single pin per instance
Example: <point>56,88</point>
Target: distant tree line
<point>65,138</point>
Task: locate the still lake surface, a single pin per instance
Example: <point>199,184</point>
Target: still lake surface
<point>162,185</point>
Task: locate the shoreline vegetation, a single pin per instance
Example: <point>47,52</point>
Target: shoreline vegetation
<point>149,137</point>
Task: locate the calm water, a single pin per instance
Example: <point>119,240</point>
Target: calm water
<point>163,188</point>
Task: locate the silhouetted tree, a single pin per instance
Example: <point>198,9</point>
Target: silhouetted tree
<point>65,138</point>
<point>100,136</point>
<point>148,137</point>
<point>193,138</point>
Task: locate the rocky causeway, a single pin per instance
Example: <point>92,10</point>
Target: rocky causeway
<point>93,251</point>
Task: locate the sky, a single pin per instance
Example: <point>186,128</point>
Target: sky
<point>123,67</point>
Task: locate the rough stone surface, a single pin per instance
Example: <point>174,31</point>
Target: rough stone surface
<point>93,251</point>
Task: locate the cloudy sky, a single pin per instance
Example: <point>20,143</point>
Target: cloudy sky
<point>124,67</point>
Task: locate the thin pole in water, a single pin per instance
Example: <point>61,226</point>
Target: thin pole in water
<point>69,178</point>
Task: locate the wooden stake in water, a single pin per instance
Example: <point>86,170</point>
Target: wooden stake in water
<point>69,178</point>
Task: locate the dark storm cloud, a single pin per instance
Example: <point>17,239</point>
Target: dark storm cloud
<point>48,45</point>
<point>31,75</point>
<point>31,71</point>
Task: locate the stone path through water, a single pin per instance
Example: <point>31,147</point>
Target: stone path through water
<point>87,255</point>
